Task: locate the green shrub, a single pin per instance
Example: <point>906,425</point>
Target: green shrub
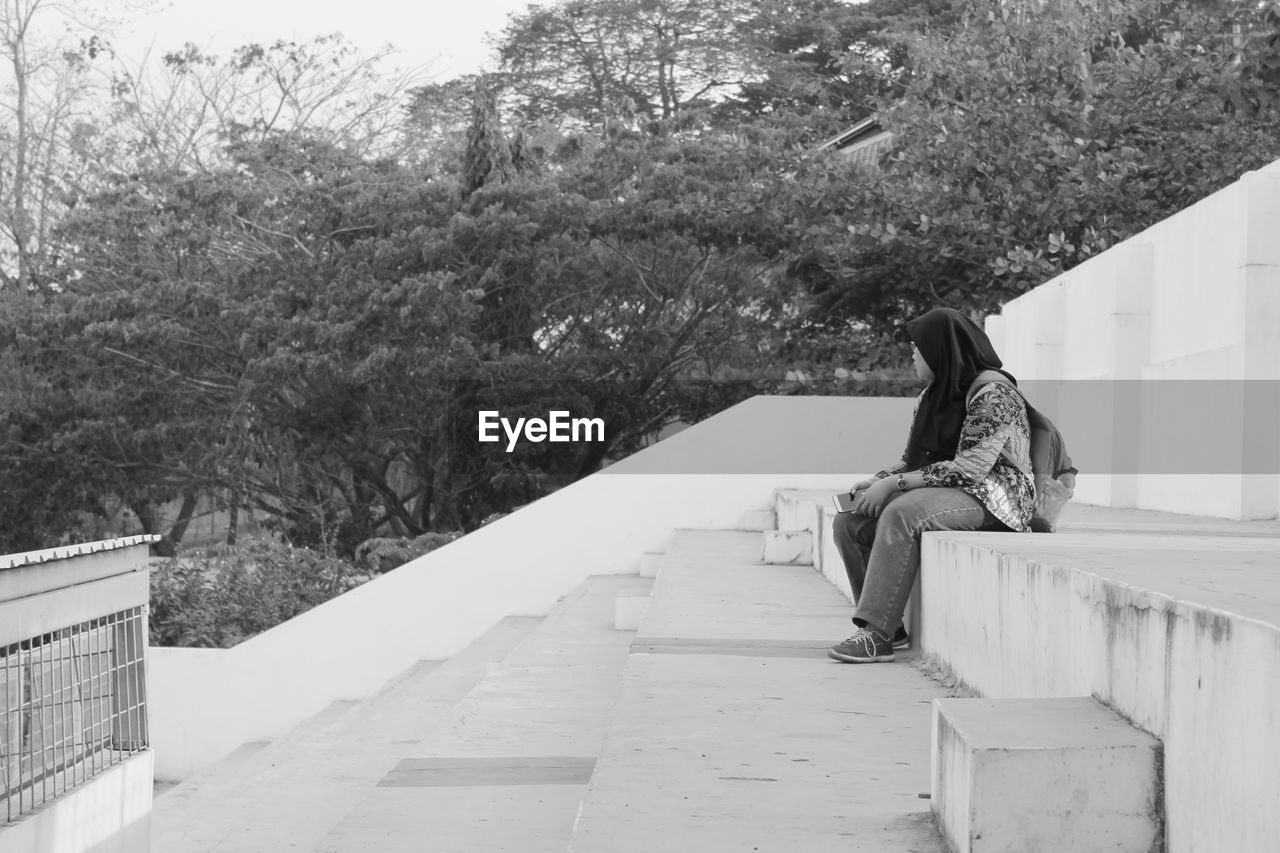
<point>215,600</point>
<point>383,555</point>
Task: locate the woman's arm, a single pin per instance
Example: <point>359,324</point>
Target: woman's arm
<point>992,418</point>
<point>995,414</point>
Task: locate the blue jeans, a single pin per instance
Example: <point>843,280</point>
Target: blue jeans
<point>882,555</point>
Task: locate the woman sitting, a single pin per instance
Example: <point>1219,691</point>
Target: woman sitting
<point>967,466</point>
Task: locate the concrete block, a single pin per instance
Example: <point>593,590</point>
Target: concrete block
<point>628,609</point>
<point>788,547</point>
<point>798,509</point>
<point>650,564</point>
<point>1049,775</point>
<point>760,519</point>
<point>827,557</point>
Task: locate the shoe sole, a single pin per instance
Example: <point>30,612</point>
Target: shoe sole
<point>835,655</point>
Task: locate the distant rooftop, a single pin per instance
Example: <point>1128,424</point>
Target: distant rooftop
<point>864,142</point>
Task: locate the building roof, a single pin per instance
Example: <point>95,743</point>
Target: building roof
<point>863,142</point>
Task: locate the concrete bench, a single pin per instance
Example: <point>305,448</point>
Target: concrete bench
<point>1049,775</point>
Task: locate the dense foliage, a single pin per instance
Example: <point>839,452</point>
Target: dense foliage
<point>291,309</point>
<point>1030,138</point>
<point>216,600</point>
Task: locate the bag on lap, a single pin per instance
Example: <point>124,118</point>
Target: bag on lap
<point>1055,476</point>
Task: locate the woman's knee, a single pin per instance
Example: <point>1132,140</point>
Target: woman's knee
<point>932,509</point>
<point>845,525</point>
<point>908,509</point>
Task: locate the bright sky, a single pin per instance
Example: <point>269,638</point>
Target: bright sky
<point>447,36</point>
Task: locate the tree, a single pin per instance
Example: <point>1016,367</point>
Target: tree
<point>487,159</point>
<point>621,281</point>
<point>832,62</point>
<point>46,131</point>
<point>595,61</point>
<point>264,332</point>
<point>280,319</point>
<point>437,116</point>
<point>183,111</point>
<point>1028,141</point>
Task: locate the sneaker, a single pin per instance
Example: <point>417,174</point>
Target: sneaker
<point>901,639</point>
<point>866,646</point>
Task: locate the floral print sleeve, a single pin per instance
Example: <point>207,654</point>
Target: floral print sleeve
<point>993,458</point>
<point>996,416</point>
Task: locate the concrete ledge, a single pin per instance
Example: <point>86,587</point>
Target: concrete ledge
<point>1049,775</point>
<point>788,547</point>
<point>1176,632</point>
<point>110,813</point>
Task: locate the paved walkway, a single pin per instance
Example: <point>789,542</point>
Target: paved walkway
<point>756,741</point>
<point>735,731</point>
<point>473,754</point>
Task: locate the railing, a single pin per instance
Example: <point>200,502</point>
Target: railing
<point>73,637</point>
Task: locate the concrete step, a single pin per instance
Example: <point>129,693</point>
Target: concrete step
<point>507,769</point>
<point>788,547</point>
<point>651,564</point>
<point>1173,623</point>
<point>277,795</point>
<point>814,511</point>
<point>798,509</point>
<point>1049,775</point>
<point>734,731</point>
<point>629,606</point>
<point>815,508</point>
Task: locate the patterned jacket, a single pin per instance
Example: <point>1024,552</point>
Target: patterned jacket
<point>993,459</point>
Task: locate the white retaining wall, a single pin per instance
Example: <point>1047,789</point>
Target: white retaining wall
<point>1195,297</point>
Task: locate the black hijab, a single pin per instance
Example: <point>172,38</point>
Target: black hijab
<point>956,350</point>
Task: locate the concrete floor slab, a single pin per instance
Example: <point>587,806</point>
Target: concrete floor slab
<point>751,738</point>
<point>290,793</point>
<point>487,771</point>
<point>737,753</point>
<point>519,819</point>
<point>714,586</point>
<point>552,696</point>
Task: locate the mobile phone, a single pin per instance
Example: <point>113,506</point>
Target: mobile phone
<point>843,502</point>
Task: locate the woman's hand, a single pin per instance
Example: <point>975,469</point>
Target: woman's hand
<point>872,501</point>
<point>862,485</point>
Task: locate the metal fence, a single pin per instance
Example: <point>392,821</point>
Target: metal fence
<point>73,703</point>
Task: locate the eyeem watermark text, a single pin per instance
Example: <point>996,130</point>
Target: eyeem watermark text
<point>559,426</point>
